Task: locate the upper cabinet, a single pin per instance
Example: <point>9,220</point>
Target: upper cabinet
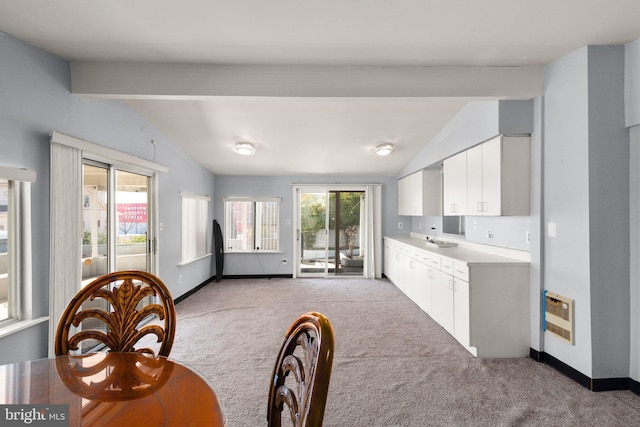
<point>454,172</point>
<point>496,178</point>
<point>420,193</point>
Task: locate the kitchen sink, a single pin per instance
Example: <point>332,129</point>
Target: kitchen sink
<point>440,244</point>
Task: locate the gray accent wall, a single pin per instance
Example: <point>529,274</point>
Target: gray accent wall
<point>632,119</point>
<point>36,100</point>
<point>282,186</point>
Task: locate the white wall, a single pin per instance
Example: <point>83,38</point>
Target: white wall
<point>35,100</point>
<point>566,199</point>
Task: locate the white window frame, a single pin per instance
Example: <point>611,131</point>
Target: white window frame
<point>257,211</point>
<point>19,250</point>
<point>195,221</point>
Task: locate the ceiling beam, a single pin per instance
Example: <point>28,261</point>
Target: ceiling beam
<point>196,81</point>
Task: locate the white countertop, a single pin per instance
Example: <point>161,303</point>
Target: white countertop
<point>459,253</point>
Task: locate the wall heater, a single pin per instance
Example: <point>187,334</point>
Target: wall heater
<point>558,316</point>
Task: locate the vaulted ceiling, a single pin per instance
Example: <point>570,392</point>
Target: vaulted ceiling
<point>314,85</point>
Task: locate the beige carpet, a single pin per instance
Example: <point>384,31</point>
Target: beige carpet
<point>393,365</point>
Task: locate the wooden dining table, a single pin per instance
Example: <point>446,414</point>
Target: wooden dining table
<point>108,389</point>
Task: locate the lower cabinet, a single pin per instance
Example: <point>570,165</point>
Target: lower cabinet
<point>442,302</point>
<point>484,306</point>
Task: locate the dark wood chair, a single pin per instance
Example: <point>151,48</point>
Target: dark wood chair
<point>116,323</point>
<point>306,354</point>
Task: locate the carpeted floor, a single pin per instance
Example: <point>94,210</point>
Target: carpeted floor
<point>393,365</point>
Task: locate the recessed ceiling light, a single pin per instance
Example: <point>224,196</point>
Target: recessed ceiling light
<point>384,149</point>
<point>244,148</point>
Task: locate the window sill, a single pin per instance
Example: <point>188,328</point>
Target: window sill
<point>20,325</point>
<point>183,263</point>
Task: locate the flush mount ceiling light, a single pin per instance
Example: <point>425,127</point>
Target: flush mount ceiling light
<point>244,148</point>
<point>384,149</point>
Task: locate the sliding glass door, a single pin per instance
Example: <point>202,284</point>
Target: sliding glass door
<point>115,226</point>
<point>329,221</point>
<point>115,221</point>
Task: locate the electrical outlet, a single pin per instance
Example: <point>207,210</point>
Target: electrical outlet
<point>180,279</point>
<point>399,225</point>
<point>527,236</point>
<point>284,260</point>
<point>489,233</point>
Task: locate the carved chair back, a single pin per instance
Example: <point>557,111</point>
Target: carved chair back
<point>301,374</point>
<point>125,318</point>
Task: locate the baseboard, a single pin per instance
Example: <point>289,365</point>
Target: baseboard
<point>258,276</point>
<point>598,384</point>
<point>194,290</point>
<point>248,276</point>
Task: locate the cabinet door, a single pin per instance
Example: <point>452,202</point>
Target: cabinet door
<point>442,301</point>
<point>403,195</point>
<point>461,327</point>
<point>432,278</point>
<point>392,268</point>
<point>388,260</point>
<point>474,180</point>
<point>491,177</point>
<point>421,286</point>
<point>410,277</point>
<point>455,185</point>
<point>410,194</point>
<point>432,192</point>
<point>484,166</point>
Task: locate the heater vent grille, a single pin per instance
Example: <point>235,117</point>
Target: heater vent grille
<point>559,316</point>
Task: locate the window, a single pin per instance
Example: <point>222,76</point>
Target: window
<point>15,239</point>
<point>195,214</point>
<point>252,225</point>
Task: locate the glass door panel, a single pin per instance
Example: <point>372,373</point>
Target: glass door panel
<point>312,234</point>
<point>347,223</point>
<point>132,197</point>
<point>95,238</point>
<point>95,222</point>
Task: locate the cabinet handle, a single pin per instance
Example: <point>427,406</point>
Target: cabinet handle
<point>479,206</point>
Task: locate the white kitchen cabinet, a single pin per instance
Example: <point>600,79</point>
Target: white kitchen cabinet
<point>461,305</point>
<point>498,177</point>
<point>391,260</point>
<point>452,304</point>
<point>420,193</point>
<point>482,301</point>
<point>454,175</point>
<point>442,301</point>
<point>420,283</point>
